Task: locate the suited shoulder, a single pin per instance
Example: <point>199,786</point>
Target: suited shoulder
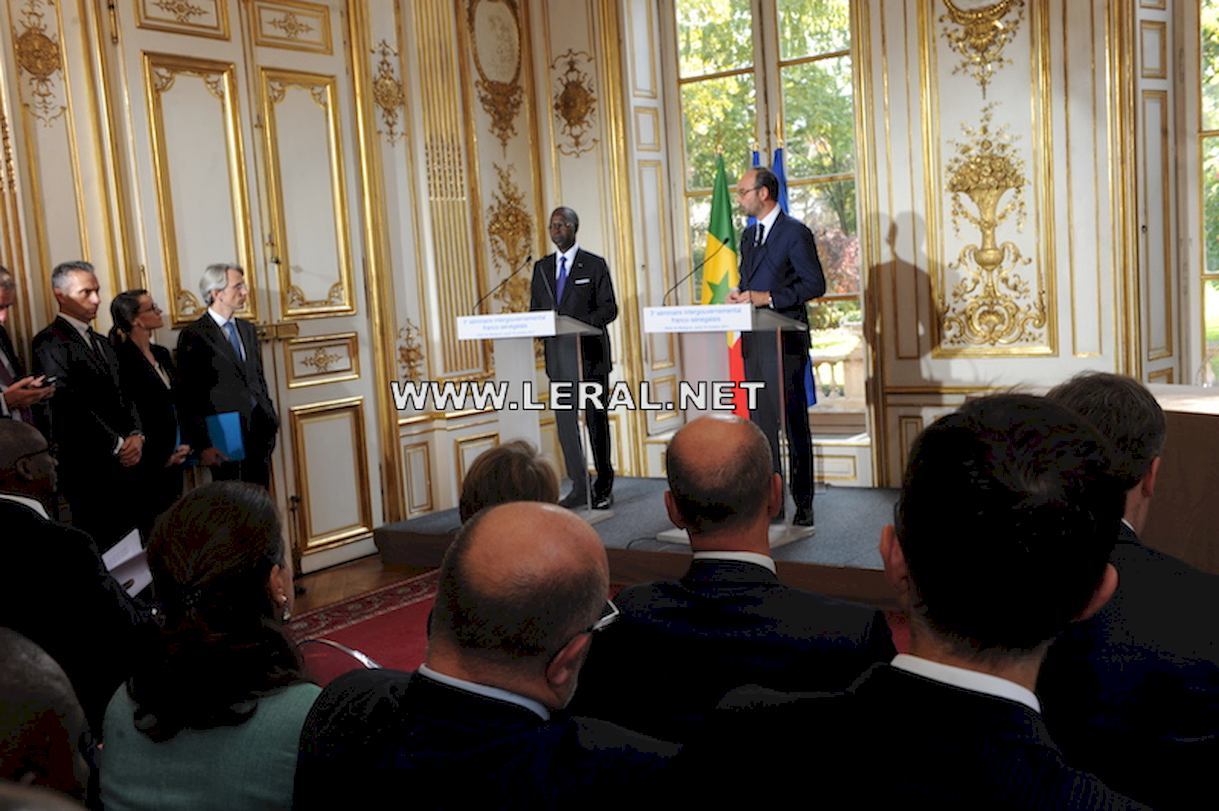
<point>51,333</point>
<point>590,258</point>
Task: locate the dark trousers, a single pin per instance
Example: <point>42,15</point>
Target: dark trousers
<point>563,364</point>
<point>762,364</point>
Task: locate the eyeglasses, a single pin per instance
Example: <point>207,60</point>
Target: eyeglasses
<point>152,308</point>
<point>50,450</point>
<point>743,192</point>
<point>609,613</point>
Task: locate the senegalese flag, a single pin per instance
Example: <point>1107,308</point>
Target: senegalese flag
<point>810,389</point>
<point>721,274</point>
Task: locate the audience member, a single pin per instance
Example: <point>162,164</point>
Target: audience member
<point>93,423</point>
<point>58,591</point>
<point>14,797</point>
<point>19,392</point>
<point>728,621</point>
<point>42,724</point>
<point>1133,693</point>
<point>212,716</point>
<point>522,590</point>
<point>221,371</point>
<point>1005,523</point>
<point>514,471</point>
<point>148,378</point>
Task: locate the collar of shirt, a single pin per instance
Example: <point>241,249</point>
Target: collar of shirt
<point>768,222</point>
<point>967,680</point>
<point>218,318</point>
<point>1130,526</point>
<point>33,504</point>
<point>740,557</point>
<point>78,325</point>
<point>571,259</point>
<point>486,691</point>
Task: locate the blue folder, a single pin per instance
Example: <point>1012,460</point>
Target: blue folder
<point>224,431</point>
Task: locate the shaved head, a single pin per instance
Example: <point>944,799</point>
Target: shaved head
<point>720,473</point>
<point>23,468</point>
<point>518,582</point>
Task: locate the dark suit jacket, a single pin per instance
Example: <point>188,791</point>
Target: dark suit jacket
<point>786,264</point>
<point>10,352</point>
<point>588,296</point>
<point>214,380</point>
<point>893,740</point>
<point>59,594</point>
<point>154,402</point>
<point>90,413</point>
<point>381,735</point>
<point>1133,693</point>
<point>680,645</point>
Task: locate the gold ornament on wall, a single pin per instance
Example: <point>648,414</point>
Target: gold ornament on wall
<point>291,25</point>
<point>574,101</point>
<point>9,174</point>
<point>410,352</point>
<point>321,360</point>
<point>980,35</point>
<point>336,295</point>
<point>39,57</point>
<point>387,91</point>
<point>991,304</point>
<point>180,9</point>
<point>509,226</point>
<point>495,31</point>
<point>186,302</point>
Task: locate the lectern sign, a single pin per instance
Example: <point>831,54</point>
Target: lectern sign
<point>506,325</point>
<point>699,318</point>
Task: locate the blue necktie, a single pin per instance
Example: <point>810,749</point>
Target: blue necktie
<point>562,279</point>
<point>230,329</point>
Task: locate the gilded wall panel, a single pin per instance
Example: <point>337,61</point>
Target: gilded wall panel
<point>200,18</point>
<point>308,193</point>
<point>294,26</point>
<point>468,448</point>
<point>320,359</point>
<point>332,477</point>
<point>416,459</point>
<point>199,167</point>
<point>1156,217</point>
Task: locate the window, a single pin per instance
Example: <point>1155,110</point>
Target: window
<point>1208,137</point>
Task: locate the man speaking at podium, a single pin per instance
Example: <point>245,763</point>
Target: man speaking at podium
<point>779,270</point>
<point>577,283</point>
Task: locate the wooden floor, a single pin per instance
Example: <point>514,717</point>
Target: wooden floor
<point>349,580</point>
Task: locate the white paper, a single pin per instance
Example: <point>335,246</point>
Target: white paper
<point>127,561</point>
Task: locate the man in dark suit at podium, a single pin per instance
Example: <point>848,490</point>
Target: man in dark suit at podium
<point>220,371</point>
<point>779,270</point>
<point>577,283</point>
<point>1133,693</point>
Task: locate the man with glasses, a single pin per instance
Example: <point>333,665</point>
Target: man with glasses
<point>19,392</point>
<point>522,592</point>
<point>779,270</point>
<point>220,371</point>
<point>58,591</point>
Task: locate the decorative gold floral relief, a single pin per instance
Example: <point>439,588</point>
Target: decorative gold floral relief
<point>9,174</point>
<point>291,25</point>
<point>509,226</point>
<point>321,360</point>
<point>276,91</point>
<point>181,10</point>
<point>495,31</point>
<point>387,91</point>
<point>297,298</point>
<point>38,55</point>
<point>574,101</point>
<point>187,303</point>
<point>410,352</point>
<point>991,304</point>
<point>980,36</point>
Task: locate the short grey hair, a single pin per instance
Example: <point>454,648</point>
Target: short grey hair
<point>6,279</point>
<point>59,276</point>
<point>216,278</point>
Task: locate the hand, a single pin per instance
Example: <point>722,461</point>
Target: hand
<point>178,456</point>
<point>737,297</point>
<point>759,298</point>
<point>26,392</point>
<point>212,457</point>
<point>130,450</point>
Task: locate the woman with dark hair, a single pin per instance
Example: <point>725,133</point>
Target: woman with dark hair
<point>514,471</point>
<point>147,377</point>
<point>212,716</point>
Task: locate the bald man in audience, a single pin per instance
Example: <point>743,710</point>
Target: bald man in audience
<point>1133,693</point>
<point>57,590</point>
<point>480,725</point>
<point>728,621</point>
<point>1006,519</point>
<point>41,722</point>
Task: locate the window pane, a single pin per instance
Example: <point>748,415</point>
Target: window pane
<point>829,210</point>
<point>713,36</point>
<point>715,112</point>
<point>1208,16</point>
<point>698,211</point>
<point>1210,203</point>
<point>1210,302</point>
<point>810,27</point>
<point>819,118</point>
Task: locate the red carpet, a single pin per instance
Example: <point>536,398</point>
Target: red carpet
<point>389,624</point>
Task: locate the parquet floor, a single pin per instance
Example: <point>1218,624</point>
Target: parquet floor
<point>348,580</point>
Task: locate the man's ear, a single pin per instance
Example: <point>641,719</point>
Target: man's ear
<point>564,668</point>
<point>1104,591</point>
<point>671,509</point>
<point>774,500</point>
<point>896,571</point>
<point>1147,485</point>
<point>23,469</point>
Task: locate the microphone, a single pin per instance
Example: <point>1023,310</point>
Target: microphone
<point>495,289</point>
<point>696,269</point>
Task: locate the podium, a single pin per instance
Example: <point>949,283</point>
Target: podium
<point>702,331</point>
<point>511,336</point>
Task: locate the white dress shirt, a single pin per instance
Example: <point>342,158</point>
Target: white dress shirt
<point>767,223</point>
<point>220,322</point>
<point>486,691</point>
<point>967,680</point>
<point>764,561</point>
<point>33,503</point>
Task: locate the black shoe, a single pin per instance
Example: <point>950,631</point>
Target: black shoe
<point>574,500</point>
<point>603,502</point>
<point>804,517</point>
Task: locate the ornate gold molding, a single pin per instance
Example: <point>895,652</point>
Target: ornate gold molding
<point>980,36</point>
<point>290,25</point>
<point>38,55</point>
<point>202,18</point>
<point>187,302</point>
<point>10,179</point>
<point>574,101</point>
<point>387,91</point>
<point>335,296</point>
<point>495,33</point>
<point>410,352</point>
<point>510,228</point>
<point>321,360</point>
<point>181,10</point>
<point>991,304</point>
